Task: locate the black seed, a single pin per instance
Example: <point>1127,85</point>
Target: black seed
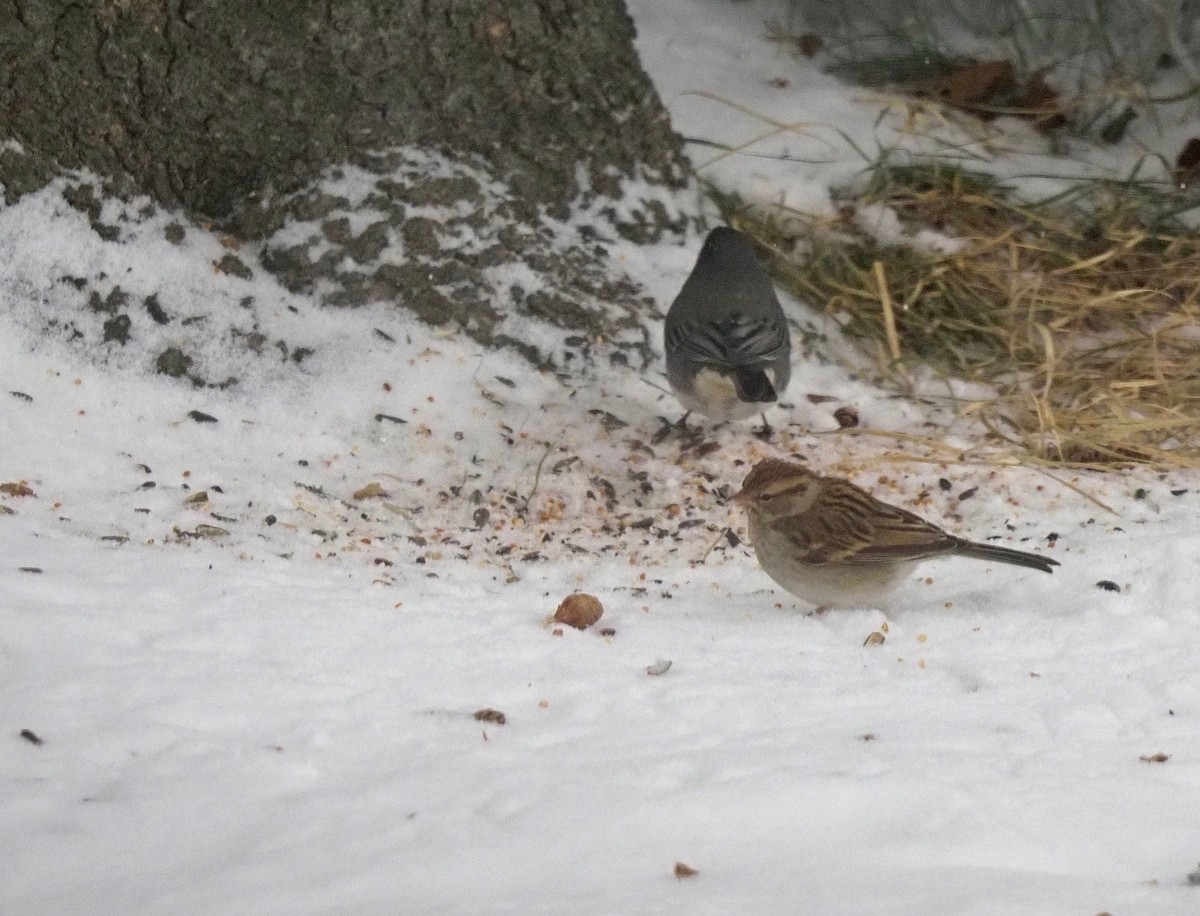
<point>1108,586</point>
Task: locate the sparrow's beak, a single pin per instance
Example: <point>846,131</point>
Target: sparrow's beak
<point>741,497</point>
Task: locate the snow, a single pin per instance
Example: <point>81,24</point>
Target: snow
<point>275,713</point>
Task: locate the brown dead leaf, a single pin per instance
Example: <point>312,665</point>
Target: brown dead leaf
<point>490,715</point>
<point>1160,757</point>
<point>1040,103</point>
<point>18,488</point>
<point>371,491</point>
<point>973,84</point>
<point>1188,164</point>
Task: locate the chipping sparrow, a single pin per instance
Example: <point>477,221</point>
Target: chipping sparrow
<point>726,338</point>
<point>834,544</point>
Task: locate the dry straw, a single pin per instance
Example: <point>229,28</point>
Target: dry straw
<point>1082,314</point>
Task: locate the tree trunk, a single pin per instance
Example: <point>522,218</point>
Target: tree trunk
<point>411,152</point>
<point>205,104</point>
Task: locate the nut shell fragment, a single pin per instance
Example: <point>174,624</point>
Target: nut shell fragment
<point>579,611</point>
<point>846,417</point>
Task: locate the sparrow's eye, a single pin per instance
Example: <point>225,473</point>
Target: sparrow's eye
<point>765,497</point>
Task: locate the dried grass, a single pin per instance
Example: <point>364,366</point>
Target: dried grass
<point>1083,314</point>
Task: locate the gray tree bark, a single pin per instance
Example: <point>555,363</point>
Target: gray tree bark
<point>205,104</point>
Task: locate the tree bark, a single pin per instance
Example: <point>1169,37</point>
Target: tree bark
<point>207,104</point>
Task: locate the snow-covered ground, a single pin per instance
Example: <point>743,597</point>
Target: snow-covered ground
<point>241,660</point>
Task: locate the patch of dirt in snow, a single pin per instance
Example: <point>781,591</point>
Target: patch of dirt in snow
<point>410,456</point>
<point>590,475</point>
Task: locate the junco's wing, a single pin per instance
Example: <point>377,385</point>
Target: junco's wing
<point>733,341</point>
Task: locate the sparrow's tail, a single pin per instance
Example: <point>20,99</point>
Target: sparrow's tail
<point>753,386</point>
<point>1005,555</point>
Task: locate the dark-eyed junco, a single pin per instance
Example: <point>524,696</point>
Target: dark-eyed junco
<point>727,341</point>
